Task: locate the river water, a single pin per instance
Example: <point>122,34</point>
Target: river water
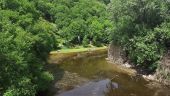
<point>92,75</point>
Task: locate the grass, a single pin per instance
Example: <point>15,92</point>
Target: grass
<point>80,49</point>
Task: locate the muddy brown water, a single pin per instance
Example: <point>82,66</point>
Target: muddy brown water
<point>89,74</point>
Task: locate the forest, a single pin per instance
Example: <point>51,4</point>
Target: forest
<point>30,29</point>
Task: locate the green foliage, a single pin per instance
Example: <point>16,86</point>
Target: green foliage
<point>105,1</point>
<point>25,42</point>
<point>79,20</point>
<point>140,28</point>
<point>30,29</point>
<point>23,88</point>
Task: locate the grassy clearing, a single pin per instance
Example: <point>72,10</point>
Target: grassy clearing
<point>81,49</point>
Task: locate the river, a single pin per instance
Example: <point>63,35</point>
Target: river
<point>92,75</point>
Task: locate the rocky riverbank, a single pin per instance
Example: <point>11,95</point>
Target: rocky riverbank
<point>162,74</point>
<point>163,71</point>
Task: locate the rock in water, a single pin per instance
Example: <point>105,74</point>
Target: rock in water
<point>90,89</point>
<point>115,54</point>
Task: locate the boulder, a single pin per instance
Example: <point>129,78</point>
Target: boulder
<point>116,54</point>
<point>91,89</point>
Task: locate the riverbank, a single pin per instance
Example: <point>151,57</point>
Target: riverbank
<point>91,74</point>
<point>65,54</point>
<point>117,56</point>
<point>77,50</point>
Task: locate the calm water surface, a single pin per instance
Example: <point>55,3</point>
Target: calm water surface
<point>94,76</point>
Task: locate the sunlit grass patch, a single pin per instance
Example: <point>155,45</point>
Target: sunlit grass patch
<point>80,49</point>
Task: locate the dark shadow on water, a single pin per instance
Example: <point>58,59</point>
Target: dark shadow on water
<point>56,68</point>
<point>58,75</point>
<point>98,73</point>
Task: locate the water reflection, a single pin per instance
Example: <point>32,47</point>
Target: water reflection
<point>93,76</point>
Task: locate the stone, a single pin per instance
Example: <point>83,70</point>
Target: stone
<point>91,89</point>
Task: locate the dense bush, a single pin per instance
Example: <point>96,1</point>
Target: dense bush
<point>78,21</point>
<point>25,41</point>
<point>30,29</point>
<point>141,28</point>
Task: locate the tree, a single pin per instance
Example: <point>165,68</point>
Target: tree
<point>30,29</point>
<point>21,71</point>
<point>73,20</point>
<point>135,24</point>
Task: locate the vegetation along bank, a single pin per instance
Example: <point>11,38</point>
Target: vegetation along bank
<point>30,29</point>
<point>142,29</point>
